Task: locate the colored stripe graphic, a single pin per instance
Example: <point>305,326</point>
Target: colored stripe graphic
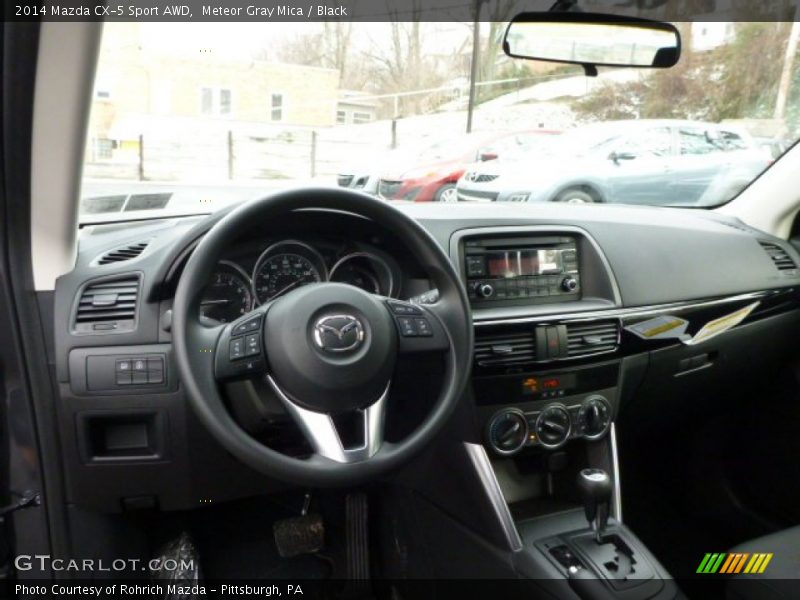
<point>728,562</point>
<point>737,562</point>
<point>764,564</point>
<point>732,563</point>
<point>703,563</point>
<point>717,563</point>
<point>711,562</point>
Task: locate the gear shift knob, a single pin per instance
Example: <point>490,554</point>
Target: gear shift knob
<point>595,488</point>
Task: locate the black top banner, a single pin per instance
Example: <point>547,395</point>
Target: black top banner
<point>382,10</point>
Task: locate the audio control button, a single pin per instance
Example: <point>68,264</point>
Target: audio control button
<point>484,290</point>
<point>569,284</point>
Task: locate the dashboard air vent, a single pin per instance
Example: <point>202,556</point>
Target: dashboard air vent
<point>779,256</point>
<point>585,339</point>
<point>123,253</point>
<point>505,348</point>
<point>108,305</point>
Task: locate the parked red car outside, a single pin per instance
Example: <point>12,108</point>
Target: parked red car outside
<point>437,168</point>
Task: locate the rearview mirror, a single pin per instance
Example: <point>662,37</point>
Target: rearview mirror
<point>593,40</point>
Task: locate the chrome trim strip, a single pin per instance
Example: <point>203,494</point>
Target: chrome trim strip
<point>321,432</point>
<point>617,495</point>
<point>485,471</point>
<point>639,311</point>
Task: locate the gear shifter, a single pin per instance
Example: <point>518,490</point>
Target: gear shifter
<point>595,488</point>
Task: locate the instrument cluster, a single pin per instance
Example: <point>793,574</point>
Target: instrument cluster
<point>234,290</point>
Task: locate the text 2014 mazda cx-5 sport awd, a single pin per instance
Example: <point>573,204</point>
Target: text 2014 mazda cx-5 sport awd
<point>226,372</point>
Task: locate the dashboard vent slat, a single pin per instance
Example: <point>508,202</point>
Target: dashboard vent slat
<point>493,349</point>
<point>122,253</point>
<point>584,339</point>
<point>780,258</point>
<point>108,305</point>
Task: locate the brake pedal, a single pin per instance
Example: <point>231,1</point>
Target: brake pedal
<point>299,535</point>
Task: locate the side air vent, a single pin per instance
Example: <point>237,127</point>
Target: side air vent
<point>123,253</point>
<point>779,256</point>
<point>108,305</point>
<point>595,337</point>
<point>505,348</point>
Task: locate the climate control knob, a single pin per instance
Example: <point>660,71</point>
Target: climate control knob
<point>594,417</point>
<point>553,426</point>
<point>507,432</point>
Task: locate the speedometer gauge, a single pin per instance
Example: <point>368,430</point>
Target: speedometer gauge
<point>285,266</point>
<point>227,295</point>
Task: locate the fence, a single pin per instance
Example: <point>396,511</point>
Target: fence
<point>232,155</point>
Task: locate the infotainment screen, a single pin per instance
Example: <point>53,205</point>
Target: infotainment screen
<point>522,263</point>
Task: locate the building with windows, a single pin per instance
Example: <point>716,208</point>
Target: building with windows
<point>142,87</point>
<point>355,108</point>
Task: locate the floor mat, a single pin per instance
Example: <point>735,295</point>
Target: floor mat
<point>236,542</point>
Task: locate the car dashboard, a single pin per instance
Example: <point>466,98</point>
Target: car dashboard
<point>557,294</point>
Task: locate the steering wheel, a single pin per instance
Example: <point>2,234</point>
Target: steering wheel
<point>326,349</point>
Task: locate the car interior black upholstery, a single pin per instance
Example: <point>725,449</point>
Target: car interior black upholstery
<point>576,401</point>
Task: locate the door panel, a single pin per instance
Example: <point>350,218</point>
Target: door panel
<point>640,167</point>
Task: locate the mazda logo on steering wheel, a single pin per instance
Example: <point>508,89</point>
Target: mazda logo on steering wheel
<point>338,333</point>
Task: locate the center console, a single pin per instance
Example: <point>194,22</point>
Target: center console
<point>546,384</point>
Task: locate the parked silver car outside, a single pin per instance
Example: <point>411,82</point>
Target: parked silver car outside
<point>664,162</point>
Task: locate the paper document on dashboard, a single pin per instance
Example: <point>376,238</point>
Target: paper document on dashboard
<point>660,328</point>
<point>721,325</point>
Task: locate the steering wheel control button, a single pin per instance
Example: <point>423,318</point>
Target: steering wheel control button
<point>423,327</point>
<point>250,366</point>
<point>401,308</point>
<point>236,349</point>
<point>252,344</point>
<point>248,326</point>
<point>408,326</point>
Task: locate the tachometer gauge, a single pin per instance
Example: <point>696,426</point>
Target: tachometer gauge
<point>359,277</point>
<point>227,295</point>
<point>366,271</point>
<point>285,266</point>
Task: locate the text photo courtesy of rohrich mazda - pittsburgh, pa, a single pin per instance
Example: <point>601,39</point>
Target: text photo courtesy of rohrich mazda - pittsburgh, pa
<point>400,299</point>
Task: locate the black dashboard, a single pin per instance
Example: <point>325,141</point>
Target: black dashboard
<point>553,332</point>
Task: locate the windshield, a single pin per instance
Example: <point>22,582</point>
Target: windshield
<point>187,118</point>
